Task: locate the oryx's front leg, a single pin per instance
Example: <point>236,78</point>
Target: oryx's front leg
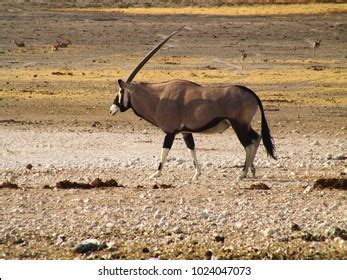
<point>168,140</point>
<point>189,140</point>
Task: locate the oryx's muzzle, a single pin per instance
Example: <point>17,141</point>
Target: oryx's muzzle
<point>114,109</point>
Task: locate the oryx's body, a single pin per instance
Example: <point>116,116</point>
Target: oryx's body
<point>185,107</point>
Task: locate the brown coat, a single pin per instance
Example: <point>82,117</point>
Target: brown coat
<point>180,105</point>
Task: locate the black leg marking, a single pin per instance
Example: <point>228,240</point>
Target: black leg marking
<point>189,140</point>
<point>169,138</point>
<point>160,166</point>
<point>253,135</point>
<point>242,132</point>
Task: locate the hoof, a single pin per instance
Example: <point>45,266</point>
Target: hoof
<point>195,177</point>
<point>242,176</point>
<point>157,174</point>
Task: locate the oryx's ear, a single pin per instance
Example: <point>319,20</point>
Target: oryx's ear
<point>122,84</point>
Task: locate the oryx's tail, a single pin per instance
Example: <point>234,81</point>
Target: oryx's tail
<point>265,132</point>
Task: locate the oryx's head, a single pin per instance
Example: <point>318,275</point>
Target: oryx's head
<point>122,100</point>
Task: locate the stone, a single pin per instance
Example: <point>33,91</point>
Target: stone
<point>145,250</point>
<point>315,143</point>
<point>268,232</point>
<point>89,245</point>
<point>238,225</point>
<point>208,254</point>
<point>308,189</point>
<point>157,214</point>
<point>219,238</point>
<point>205,214</point>
<point>177,230</point>
<point>337,232</point>
<point>29,166</point>
<point>13,179</point>
<point>294,227</point>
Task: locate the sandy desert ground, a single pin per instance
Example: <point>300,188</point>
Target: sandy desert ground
<point>55,126</point>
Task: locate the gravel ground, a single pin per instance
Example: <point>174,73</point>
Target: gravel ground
<point>169,217</point>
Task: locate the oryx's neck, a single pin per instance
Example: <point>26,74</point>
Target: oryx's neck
<point>144,100</point>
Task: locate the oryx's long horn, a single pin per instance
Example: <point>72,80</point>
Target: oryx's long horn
<point>149,55</point>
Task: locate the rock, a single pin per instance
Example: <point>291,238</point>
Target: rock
<point>259,186</point>
<point>61,239</point>
<point>29,166</point>
<point>145,250</point>
<point>111,246</point>
<point>309,237</point>
<point>295,227</point>
<point>89,245</point>
<point>181,236</point>
<point>284,238</point>
<point>238,225</point>
<point>341,242</point>
<point>331,183</point>
<point>219,238</point>
<point>18,241</point>
<point>315,143</point>
<point>308,189</point>
<point>13,179</point>
<point>205,214</point>
<point>110,225</point>
<point>96,124</point>
<point>337,232</point>
<point>157,214</point>
<point>268,232</point>
<point>179,161</point>
<point>8,185</point>
<point>341,157</point>
<point>208,254</point>
<point>177,230</point>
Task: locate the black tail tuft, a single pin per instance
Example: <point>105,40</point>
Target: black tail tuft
<point>265,134</point>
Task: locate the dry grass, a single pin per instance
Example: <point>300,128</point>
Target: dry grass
<point>242,10</point>
<point>295,84</point>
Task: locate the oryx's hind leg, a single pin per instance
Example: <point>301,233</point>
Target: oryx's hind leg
<point>189,140</point>
<point>168,140</point>
<point>250,141</point>
<point>256,138</point>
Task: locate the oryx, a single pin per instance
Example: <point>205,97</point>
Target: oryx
<point>180,106</point>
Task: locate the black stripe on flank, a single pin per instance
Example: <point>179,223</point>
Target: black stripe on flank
<point>205,127</point>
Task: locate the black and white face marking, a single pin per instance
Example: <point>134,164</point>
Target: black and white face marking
<point>116,106</point>
<point>122,101</point>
